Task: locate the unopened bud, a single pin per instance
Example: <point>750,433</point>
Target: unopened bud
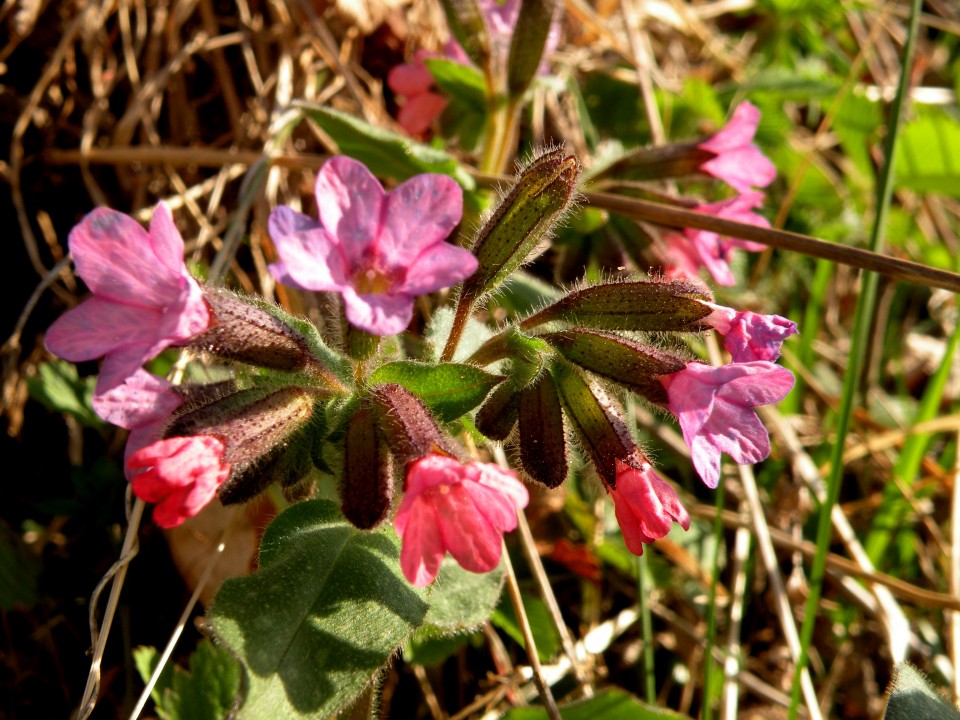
<point>528,42</point>
<point>410,429</point>
<point>526,216</point>
<point>498,414</point>
<point>599,422</point>
<point>623,360</point>
<point>671,305</point>
<point>658,162</point>
<point>543,442</point>
<point>468,27</point>
<point>366,488</point>
<point>244,331</point>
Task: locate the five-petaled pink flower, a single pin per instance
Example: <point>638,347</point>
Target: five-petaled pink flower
<point>143,404</point>
<point>144,300</point>
<point>413,82</point>
<point>701,248</point>
<point>715,408</point>
<point>180,474</point>
<point>455,508</point>
<point>377,249</point>
<point>737,160</point>
<point>748,335</point>
<point>645,505</point>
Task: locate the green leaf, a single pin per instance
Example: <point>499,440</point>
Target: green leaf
<point>324,614</point>
<point>912,697</point>
<point>59,388</point>
<point>606,704</point>
<point>462,600</point>
<point>928,155</point>
<point>430,646</point>
<point>461,82</point>
<point>541,625</point>
<point>207,691</point>
<point>448,389</point>
<point>386,153</point>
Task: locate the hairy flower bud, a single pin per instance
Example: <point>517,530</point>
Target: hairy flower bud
<point>468,27</point>
<point>625,361</point>
<point>245,331</point>
<point>366,488</point>
<point>260,429</point>
<point>529,40</point>
<point>499,412</point>
<point>633,305</point>
<point>410,429</point>
<point>543,442</point>
<point>544,191</point>
<point>599,423</point>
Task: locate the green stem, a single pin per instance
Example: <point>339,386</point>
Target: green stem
<point>708,668</point>
<point>460,317</point>
<point>851,380</point>
<point>646,629</point>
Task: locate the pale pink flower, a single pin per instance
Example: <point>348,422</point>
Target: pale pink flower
<point>180,474</point>
<point>455,508</point>
<point>715,408</point>
<point>645,505</point>
<point>748,335</point>
<point>701,248</point>
<point>144,300</point>
<point>377,249</point>
<point>738,161</point>
<point>143,404</point>
<point>413,82</point>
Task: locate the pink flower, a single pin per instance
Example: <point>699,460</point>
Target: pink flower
<point>701,248</point>
<point>180,474</point>
<point>750,336</point>
<point>413,82</point>
<point>738,161</point>
<point>646,506</point>
<point>455,508</point>
<point>143,404</point>
<point>715,408</point>
<point>377,249</point>
<point>144,300</point>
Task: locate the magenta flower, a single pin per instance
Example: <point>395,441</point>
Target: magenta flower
<point>180,474</point>
<point>455,508</point>
<point>413,82</point>
<point>144,300</point>
<point>715,408</point>
<point>645,505</point>
<point>737,160</point>
<point>377,249</point>
<point>749,336</point>
<point>143,404</point>
<point>701,248</point>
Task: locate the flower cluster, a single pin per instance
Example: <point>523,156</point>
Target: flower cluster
<point>378,250</point>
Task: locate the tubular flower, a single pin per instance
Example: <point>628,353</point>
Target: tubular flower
<point>701,248</point>
<point>144,300</point>
<point>737,160</point>
<point>455,508</point>
<point>143,404</point>
<point>413,82</point>
<point>645,505</point>
<point>749,336</point>
<point>377,249</point>
<point>715,407</point>
<point>180,474</point>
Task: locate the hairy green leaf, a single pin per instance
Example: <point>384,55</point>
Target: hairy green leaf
<point>448,389</point>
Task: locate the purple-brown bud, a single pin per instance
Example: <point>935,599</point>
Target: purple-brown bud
<point>671,305</point>
<point>410,428</point>
<point>366,488</point>
<point>623,360</point>
<point>543,442</point>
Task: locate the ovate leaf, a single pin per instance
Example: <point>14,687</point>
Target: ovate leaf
<point>461,82</point>
<point>448,389</point>
<point>541,625</point>
<point>462,600</point>
<point>58,387</point>
<point>386,153</point>
<point>326,611</point>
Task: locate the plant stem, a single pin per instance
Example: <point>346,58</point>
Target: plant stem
<point>460,318</point>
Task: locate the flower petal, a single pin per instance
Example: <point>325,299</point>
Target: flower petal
<point>466,532</point>
<point>142,399</point>
<point>418,213</point>
<point>418,112</point>
<point>439,266</point>
<point>310,256</point>
<point>739,131</point>
<point>98,326</point>
<point>350,204</point>
<point>423,549</point>
<point>378,314</point>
